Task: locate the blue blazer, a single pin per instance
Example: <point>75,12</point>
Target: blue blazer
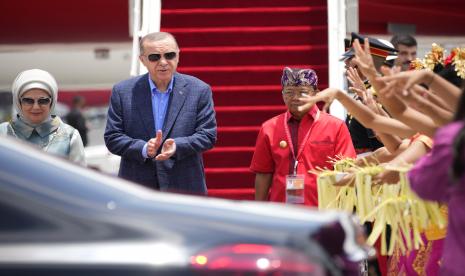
<point>190,121</point>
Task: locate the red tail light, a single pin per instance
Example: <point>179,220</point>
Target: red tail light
<point>256,258</point>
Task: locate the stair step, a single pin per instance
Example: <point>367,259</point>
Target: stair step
<point>252,75</point>
<point>228,157</point>
<point>245,88</point>
<point>246,115</point>
<point>237,136</point>
<point>240,48</point>
<point>244,36</point>
<point>235,194</point>
<point>227,178</point>
<point>247,95</point>
<point>252,55</point>
<point>173,4</point>
<point>249,16</point>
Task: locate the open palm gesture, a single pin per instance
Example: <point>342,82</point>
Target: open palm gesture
<point>328,96</point>
<point>363,58</point>
<point>168,149</point>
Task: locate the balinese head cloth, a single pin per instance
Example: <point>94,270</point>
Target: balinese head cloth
<point>299,77</point>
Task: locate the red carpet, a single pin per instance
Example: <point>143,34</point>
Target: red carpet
<point>240,48</point>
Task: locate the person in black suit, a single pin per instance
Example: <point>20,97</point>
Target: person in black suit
<point>76,119</point>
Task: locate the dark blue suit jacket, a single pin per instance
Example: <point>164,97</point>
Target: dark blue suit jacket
<point>190,121</point>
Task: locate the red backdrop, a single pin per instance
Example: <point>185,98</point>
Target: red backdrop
<point>32,21</point>
<point>39,21</point>
<point>431,17</point>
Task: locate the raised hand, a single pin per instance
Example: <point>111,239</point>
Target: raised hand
<point>363,58</point>
<point>168,149</point>
<point>393,87</point>
<point>358,86</point>
<point>328,95</point>
<point>406,80</point>
<point>401,82</point>
<point>370,101</point>
<point>153,144</point>
<point>417,98</point>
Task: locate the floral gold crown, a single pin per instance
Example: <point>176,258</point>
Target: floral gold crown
<point>457,58</point>
<point>431,60</point>
<point>436,57</point>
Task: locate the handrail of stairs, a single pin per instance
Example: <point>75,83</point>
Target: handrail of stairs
<point>342,19</point>
<point>146,18</point>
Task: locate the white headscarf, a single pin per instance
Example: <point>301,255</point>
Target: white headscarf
<point>34,78</point>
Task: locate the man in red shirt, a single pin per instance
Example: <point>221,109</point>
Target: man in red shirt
<point>295,142</point>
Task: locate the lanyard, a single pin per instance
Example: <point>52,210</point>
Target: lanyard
<point>304,141</point>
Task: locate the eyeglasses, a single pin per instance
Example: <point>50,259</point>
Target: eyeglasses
<point>289,94</point>
<point>157,57</point>
<point>40,101</point>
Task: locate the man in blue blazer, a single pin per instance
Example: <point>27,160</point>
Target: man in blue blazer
<point>161,122</point>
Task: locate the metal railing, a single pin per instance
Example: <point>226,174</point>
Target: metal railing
<point>145,18</point>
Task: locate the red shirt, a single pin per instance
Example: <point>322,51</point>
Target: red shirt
<point>327,137</point>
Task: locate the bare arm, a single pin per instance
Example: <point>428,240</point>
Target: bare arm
<point>363,114</point>
<point>262,185</point>
<point>383,155</point>
<point>391,142</point>
<point>413,118</point>
<point>415,150</point>
<point>444,89</point>
<point>439,116</point>
<point>380,155</point>
<point>410,155</point>
<point>432,96</point>
<point>395,107</point>
<point>420,99</point>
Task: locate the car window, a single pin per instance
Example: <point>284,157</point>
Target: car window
<point>14,219</point>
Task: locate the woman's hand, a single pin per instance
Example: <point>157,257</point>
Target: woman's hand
<point>363,58</point>
<point>387,177</point>
<point>347,179</point>
<point>404,81</point>
<point>328,96</point>
<point>393,87</point>
<point>358,86</point>
<point>370,101</point>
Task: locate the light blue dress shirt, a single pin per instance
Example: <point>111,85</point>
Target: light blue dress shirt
<point>160,100</point>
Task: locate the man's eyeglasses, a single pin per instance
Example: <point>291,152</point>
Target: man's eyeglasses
<point>157,57</point>
<point>40,101</point>
<point>289,94</point>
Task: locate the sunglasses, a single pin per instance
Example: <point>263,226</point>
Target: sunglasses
<point>40,101</point>
<point>157,57</point>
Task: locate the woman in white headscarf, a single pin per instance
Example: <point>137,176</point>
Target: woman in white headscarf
<point>34,97</point>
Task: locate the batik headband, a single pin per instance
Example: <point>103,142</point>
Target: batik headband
<point>299,77</point>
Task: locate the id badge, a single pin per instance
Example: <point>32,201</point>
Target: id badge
<point>295,189</point>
